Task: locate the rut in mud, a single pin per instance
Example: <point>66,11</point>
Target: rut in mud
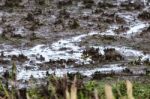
<point>105,42</point>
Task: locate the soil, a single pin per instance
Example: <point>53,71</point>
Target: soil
<point>69,36</point>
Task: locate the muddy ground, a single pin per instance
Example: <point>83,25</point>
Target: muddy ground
<point>70,36</point>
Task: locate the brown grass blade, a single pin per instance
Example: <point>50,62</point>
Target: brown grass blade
<point>96,94</point>
<point>108,92</point>
<point>73,93</point>
<point>67,94</point>
<point>129,90</point>
<point>28,97</point>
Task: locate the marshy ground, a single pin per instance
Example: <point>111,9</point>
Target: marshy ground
<point>97,39</point>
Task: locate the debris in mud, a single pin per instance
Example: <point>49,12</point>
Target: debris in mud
<point>102,27</point>
<point>148,72</point>
<point>143,42</point>
<point>110,14</point>
<point>119,20</point>
<point>4,62</point>
<point>127,70</point>
<point>100,76</point>
<point>62,3</point>
<point>58,21</point>
<point>109,37</point>
<point>106,4</point>
<point>20,58</point>
<point>8,31</point>
<point>93,54</point>
<point>139,61</point>
<point>88,3</point>
<point>109,20</point>
<point>12,3</point>
<point>19,36</point>
<point>121,29</point>
<point>30,17</point>
<point>40,2</point>
<point>63,14</point>
<point>41,58</point>
<point>2,20</point>
<point>145,15</point>
<point>110,54</point>
<point>135,71</point>
<point>33,36</point>
<point>148,29</point>
<point>74,24</point>
<point>2,54</point>
<point>98,10</point>
<point>61,63</point>
<point>136,62</point>
<point>34,25</point>
<point>105,40</point>
<point>146,62</point>
<point>30,22</point>
<point>38,11</point>
<point>112,17</point>
<point>78,75</point>
<point>135,5</point>
<point>139,71</point>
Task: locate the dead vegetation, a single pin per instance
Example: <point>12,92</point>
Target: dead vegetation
<point>145,15</point>
<point>135,5</point>
<point>110,54</point>
<point>63,88</point>
<point>12,3</point>
<point>19,58</point>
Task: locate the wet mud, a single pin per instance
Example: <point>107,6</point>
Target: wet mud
<point>91,37</point>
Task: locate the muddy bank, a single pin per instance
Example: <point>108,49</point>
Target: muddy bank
<point>63,37</point>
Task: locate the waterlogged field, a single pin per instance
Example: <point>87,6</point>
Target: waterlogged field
<point>98,41</point>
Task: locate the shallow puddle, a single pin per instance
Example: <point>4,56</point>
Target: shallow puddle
<point>69,48</point>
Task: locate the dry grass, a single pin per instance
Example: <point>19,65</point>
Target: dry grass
<point>96,94</point>
<point>73,93</point>
<point>108,92</point>
<point>129,90</point>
